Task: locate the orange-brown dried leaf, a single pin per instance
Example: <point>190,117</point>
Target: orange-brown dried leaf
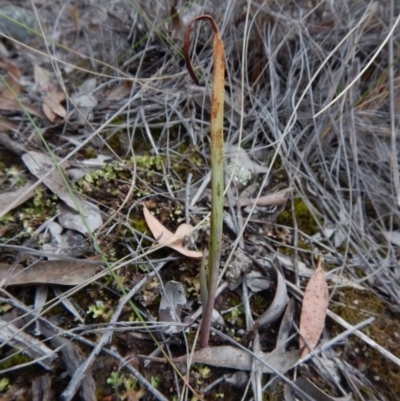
<point>313,311</point>
<point>12,105</point>
<point>52,107</point>
<point>165,237</point>
<point>12,79</point>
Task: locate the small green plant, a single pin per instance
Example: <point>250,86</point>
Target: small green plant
<point>204,371</point>
<point>115,380</point>
<point>99,309</point>
<point>155,381</point>
<point>4,382</point>
<point>131,392</point>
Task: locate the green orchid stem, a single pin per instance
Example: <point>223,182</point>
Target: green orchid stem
<point>217,168</point>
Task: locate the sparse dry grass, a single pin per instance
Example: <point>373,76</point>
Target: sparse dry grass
<point>285,63</point>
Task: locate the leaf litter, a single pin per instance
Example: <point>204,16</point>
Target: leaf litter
<point>343,180</point>
<point>313,310</point>
<point>61,272</point>
<point>165,237</point>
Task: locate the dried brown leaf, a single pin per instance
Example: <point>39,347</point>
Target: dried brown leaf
<point>13,76</point>
<point>62,272</point>
<point>313,311</point>
<point>12,105</point>
<point>39,164</point>
<point>277,198</point>
<point>167,238</point>
<point>226,356</point>
<point>121,91</point>
<point>52,107</point>
<point>6,125</point>
<point>42,79</point>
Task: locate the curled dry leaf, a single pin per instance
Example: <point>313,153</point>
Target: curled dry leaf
<point>313,311</point>
<point>52,105</point>
<point>167,238</point>
<point>278,305</point>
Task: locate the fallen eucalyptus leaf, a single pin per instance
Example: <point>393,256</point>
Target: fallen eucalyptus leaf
<point>313,311</point>
<point>72,220</point>
<point>167,238</point>
<point>62,272</point>
<point>39,164</point>
<point>42,79</point>
<point>226,356</point>
<point>12,105</point>
<point>52,105</point>
<point>12,79</point>
<point>121,91</point>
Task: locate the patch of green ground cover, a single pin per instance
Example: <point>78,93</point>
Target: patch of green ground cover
<point>306,222</point>
<point>274,395</point>
<point>15,358</point>
<point>355,306</point>
<point>27,217</point>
